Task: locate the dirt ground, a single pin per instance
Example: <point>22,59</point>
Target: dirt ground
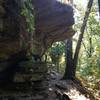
<point>52,88</point>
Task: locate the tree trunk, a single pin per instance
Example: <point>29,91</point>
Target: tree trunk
<point>69,71</point>
<point>91,48</point>
<point>99,6</point>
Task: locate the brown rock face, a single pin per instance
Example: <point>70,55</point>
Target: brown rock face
<point>53,22</point>
<point>9,28</point>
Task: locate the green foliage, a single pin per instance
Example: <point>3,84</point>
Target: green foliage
<point>57,49</point>
<point>28,13</point>
<point>56,53</point>
<point>88,68</point>
<point>94,24</point>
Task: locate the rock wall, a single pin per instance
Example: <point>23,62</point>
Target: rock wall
<point>9,28</point>
<point>11,51</point>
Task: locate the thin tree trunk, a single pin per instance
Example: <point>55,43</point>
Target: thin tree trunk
<point>57,64</point>
<point>91,47</point>
<point>75,60</point>
<point>99,6</point>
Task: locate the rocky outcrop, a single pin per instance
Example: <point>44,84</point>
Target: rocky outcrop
<point>53,22</point>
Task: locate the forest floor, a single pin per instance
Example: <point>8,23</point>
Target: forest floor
<point>53,88</point>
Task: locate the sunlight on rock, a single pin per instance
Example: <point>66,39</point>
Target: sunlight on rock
<point>75,95</point>
<point>50,89</point>
<point>81,98</point>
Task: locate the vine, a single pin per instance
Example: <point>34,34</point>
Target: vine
<point>28,13</point>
